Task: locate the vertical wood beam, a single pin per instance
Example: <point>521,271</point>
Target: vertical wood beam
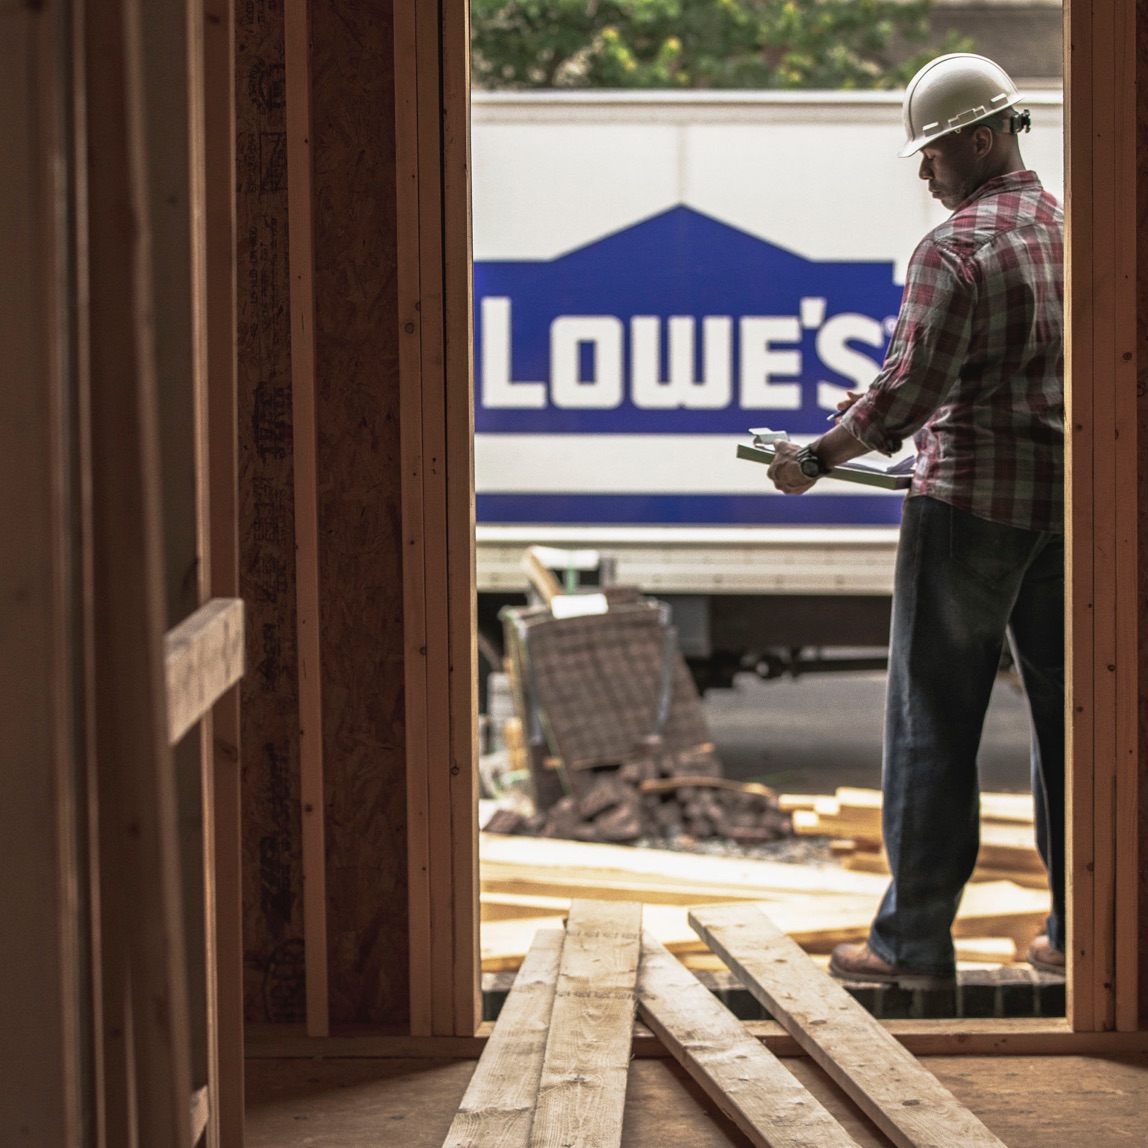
<point>297,52</point>
<point>1141,208</point>
<point>146,1021</point>
<point>1104,612</point>
<point>172,54</point>
<point>461,575</point>
<point>432,128</point>
<point>45,990</point>
<point>407,65</point>
<point>223,475</point>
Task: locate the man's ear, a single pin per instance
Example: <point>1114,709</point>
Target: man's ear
<point>983,138</point>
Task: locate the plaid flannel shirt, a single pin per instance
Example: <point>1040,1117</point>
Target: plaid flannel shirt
<point>975,368</point>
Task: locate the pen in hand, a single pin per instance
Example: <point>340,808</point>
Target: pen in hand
<point>835,416</point>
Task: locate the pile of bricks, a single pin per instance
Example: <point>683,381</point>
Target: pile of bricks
<point>615,738</point>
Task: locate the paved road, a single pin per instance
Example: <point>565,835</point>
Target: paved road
<point>813,734</point>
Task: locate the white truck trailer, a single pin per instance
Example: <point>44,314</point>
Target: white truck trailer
<point>654,274</point>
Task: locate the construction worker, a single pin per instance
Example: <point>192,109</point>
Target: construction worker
<point>974,371</point>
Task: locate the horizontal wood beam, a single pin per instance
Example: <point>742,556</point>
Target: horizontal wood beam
<point>203,659</point>
<point>1019,1036</point>
<point>200,1114</point>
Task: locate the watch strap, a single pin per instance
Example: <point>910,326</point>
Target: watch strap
<point>807,455</point>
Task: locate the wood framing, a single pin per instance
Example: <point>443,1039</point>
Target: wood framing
<point>1103,463</point>
<point>146,1071</point>
<point>434,315</point>
<point>223,500</point>
<point>300,234</point>
<point>203,659</point>
<point>356,480</point>
<point>44,1090</point>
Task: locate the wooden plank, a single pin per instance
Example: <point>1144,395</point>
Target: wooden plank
<point>147,1038</point>
<point>297,61</point>
<point>545,861</point>
<point>1141,359</point>
<point>432,306</point>
<point>737,1072</point>
<point>432,151</point>
<point>410,351</point>
<point>582,1089</point>
<point>1123,459</point>
<point>1105,559</point>
<point>200,1113</point>
<point>1083,971</point>
<point>171,56</point>
<point>203,659</point>
<point>965,1036</point>
<point>905,1100</point>
<point>46,1004</point>
<point>223,499</point>
<point>461,575</point>
<point>1000,908</point>
<point>497,1110</point>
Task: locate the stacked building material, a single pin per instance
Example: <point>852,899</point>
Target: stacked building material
<point>529,884</point>
<point>615,737</point>
<point>852,817</point>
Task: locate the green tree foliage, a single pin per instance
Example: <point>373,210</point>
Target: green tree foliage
<point>696,43</point>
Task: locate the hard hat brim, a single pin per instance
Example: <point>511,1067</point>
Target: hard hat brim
<point>925,138</point>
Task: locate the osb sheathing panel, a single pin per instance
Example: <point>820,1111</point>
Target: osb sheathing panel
<point>360,573</point>
<point>272,865</point>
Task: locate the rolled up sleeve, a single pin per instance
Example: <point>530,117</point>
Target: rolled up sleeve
<point>926,354</point>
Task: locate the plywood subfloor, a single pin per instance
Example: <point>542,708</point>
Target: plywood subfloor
<point>1066,1101</point>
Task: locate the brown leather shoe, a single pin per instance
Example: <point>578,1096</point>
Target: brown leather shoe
<point>1042,955</point>
<point>860,963</point>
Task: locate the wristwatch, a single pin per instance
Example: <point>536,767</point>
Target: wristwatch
<point>811,465</point>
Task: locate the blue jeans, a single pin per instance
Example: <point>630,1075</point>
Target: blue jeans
<point>961,584</point>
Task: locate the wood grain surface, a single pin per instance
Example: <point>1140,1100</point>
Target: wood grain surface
<point>887,1082</point>
<point>746,1081</point>
<point>497,1110</point>
<point>582,1091</point>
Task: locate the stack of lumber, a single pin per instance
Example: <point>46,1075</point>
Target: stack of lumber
<point>528,884</point>
<point>853,818</point>
<point>555,1068</point>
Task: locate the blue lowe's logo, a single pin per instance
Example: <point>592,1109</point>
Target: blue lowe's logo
<point>614,381</point>
<point>678,325</point>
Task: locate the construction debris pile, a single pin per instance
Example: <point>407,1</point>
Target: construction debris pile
<point>610,728</point>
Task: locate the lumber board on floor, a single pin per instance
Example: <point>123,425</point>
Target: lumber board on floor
<point>497,1110</point>
<point>537,864</point>
<point>905,1100</point>
<point>746,1081</point>
<point>998,909</point>
<point>582,1090</point>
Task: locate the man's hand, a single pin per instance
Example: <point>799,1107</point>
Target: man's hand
<point>850,398</point>
<point>785,473</point>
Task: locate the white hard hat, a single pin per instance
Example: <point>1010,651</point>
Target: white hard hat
<point>951,92</point>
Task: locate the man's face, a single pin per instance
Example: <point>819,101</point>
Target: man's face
<point>952,167</point>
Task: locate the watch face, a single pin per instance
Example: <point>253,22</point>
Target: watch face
<point>809,464</point>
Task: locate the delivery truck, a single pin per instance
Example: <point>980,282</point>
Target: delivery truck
<point>654,274</point>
